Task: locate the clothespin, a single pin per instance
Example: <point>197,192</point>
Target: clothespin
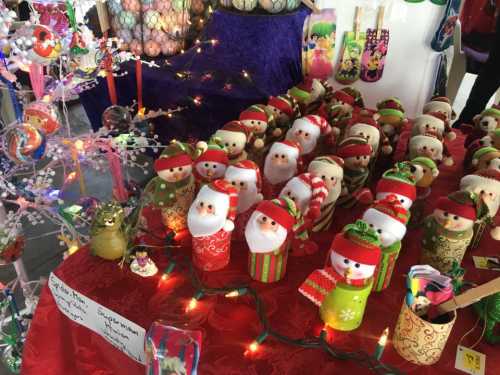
<point>380,21</point>
<point>357,22</point>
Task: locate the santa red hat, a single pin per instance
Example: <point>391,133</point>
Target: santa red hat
<point>389,212</point>
<point>246,170</point>
<point>438,103</point>
<point>282,102</point>
<point>330,159</point>
<point>281,210</point>
<point>254,112</point>
<point>466,210</point>
<point>176,154</point>
<point>354,146</point>
<point>448,132</point>
<point>344,97</point>
<point>366,120</point>
<point>314,124</point>
<point>225,187</point>
<point>359,243</point>
<point>319,192</point>
<point>397,181</point>
<point>214,155</point>
<point>288,147</point>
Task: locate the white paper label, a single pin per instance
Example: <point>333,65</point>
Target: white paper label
<point>470,361</point>
<point>118,331</point>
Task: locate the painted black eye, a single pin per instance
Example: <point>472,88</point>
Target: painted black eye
<point>323,177</point>
<point>201,204</point>
<point>273,223</point>
<point>455,217</point>
<point>446,214</point>
<point>306,134</point>
<point>210,206</point>
<point>233,183</point>
<point>234,144</point>
<point>283,156</point>
<point>171,169</point>
<point>300,131</point>
<point>214,166</point>
<point>379,231</point>
<point>226,144</point>
<point>264,219</point>
<point>402,200</point>
<point>425,147</point>
<point>357,157</point>
<point>276,155</point>
<point>242,184</point>
<point>332,178</point>
<point>206,165</point>
<point>346,261</point>
<point>252,122</point>
<point>179,169</point>
<point>357,265</point>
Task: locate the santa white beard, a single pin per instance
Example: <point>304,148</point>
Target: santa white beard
<point>208,224</point>
<point>263,241</point>
<point>247,198</point>
<point>276,175</point>
<point>308,146</point>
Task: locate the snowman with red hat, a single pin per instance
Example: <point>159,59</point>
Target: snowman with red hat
<point>210,165</point>
<point>307,131</point>
<point>233,136</point>
<point>173,190</point>
<point>211,222</point>
<point>268,233</point>
<point>308,192</point>
<point>440,104</point>
<point>281,164</point>
<point>257,120</point>
<point>245,177</point>
<point>368,128</point>
<point>433,123</point>
<point>342,287</point>
<point>400,182</point>
<point>284,110</point>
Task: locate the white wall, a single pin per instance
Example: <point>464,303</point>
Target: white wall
<point>410,63</point>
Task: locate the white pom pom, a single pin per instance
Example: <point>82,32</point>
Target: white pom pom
<point>259,143</point>
<point>448,161</point>
<point>259,198</point>
<point>495,233</point>
<point>202,145</point>
<point>451,136</point>
<point>387,149</point>
<point>277,132</point>
<point>335,131</point>
<point>228,226</point>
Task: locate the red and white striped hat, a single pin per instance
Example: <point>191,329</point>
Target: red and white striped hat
<point>282,102</point>
<point>288,147</point>
<point>245,170</point>
<point>314,124</point>
<point>319,192</point>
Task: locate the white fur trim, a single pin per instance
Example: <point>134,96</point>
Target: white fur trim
<point>305,125</point>
<point>425,139</point>
<point>300,187</point>
<point>387,223</point>
<point>448,161</point>
<point>437,106</point>
<point>495,233</point>
<point>316,167</point>
<point>242,174</point>
<point>282,148</point>
<point>228,226</point>
<point>474,180</point>
<point>233,135</point>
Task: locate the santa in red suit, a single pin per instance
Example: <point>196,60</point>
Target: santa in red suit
<point>281,164</point>
<point>245,177</point>
<point>211,222</point>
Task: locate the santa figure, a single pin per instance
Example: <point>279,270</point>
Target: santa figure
<point>330,169</point>
<point>429,145</point>
<point>440,104</point>
<point>486,185</point>
<point>172,191</point>
<point>308,192</point>
<point>368,128</point>
<point>281,164</point>
<point>433,123</point>
<point>388,218</point>
<point>233,136</point>
<point>268,234</point>
<point>398,181</point>
<point>211,222</point>
<point>210,165</point>
<point>356,153</point>
<point>307,132</point>
<point>448,231</point>
<point>342,287</point>
<point>245,177</point>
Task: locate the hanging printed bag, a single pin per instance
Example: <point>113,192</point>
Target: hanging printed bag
<point>443,38</point>
<point>377,42</point>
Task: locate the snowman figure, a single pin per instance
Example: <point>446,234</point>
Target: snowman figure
<point>342,287</point>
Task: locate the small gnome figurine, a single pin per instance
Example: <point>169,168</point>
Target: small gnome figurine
<point>486,158</point>
<point>398,181</point>
<point>433,123</point>
<point>268,234</point>
<point>308,192</point>
<point>307,132</point>
<point>245,177</point>
<point>234,136</point>
<point>391,117</point>
<point>142,264</point>
<point>257,119</point>
<point>484,124</point>
<point>342,287</point>
<point>210,165</point>
<point>284,110</point>
<point>173,190</point>
<point>330,169</point>
<point>389,219</point>
<point>356,153</point>
<point>486,184</point>
<point>368,128</point>
<point>424,171</point>
<point>211,222</point>
<point>429,145</point>
<point>281,164</point>
<point>440,104</point>
<point>448,230</point>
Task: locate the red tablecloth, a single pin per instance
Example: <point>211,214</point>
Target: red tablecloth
<point>56,345</point>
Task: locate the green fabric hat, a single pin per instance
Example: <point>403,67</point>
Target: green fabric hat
<point>400,172</point>
<point>299,93</point>
<point>361,232</point>
<point>493,111</point>
<point>481,152</point>
<point>427,162</point>
<point>391,107</point>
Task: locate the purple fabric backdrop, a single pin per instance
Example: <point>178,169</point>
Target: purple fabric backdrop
<point>267,47</point>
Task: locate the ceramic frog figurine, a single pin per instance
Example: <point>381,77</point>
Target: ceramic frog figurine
<point>108,236</point>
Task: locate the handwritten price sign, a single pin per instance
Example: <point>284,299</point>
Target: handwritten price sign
<point>470,361</point>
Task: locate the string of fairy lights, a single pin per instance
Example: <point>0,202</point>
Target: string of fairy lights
<point>181,263</point>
